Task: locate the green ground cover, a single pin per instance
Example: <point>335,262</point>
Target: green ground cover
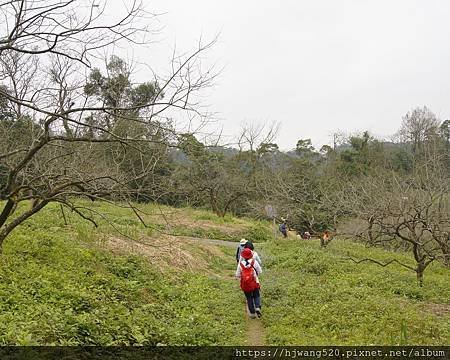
<point>314,296</point>
<point>61,284</point>
<point>58,287</point>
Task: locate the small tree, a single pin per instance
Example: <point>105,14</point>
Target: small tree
<point>303,191</point>
<point>304,147</point>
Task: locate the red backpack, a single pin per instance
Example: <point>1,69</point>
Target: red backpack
<point>248,278</point>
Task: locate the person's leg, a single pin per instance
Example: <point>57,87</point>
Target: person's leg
<point>257,300</point>
<point>250,302</point>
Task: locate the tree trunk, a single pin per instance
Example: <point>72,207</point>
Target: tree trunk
<point>369,230</point>
<point>6,230</point>
<point>3,234</point>
<point>63,214</point>
<point>7,209</point>
<point>213,202</point>
<point>2,238</point>
<point>419,271</point>
<point>447,261</point>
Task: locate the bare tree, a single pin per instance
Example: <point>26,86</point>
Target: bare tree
<point>210,176</point>
<point>410,212</point>
<point>54,146</point>
<point>419,126</point>
<point>254,136</point>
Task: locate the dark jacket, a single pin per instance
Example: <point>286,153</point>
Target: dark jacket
<point>238,251</point>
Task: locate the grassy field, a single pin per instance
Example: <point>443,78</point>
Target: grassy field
<point>314,296</point>
<point>124,283</point>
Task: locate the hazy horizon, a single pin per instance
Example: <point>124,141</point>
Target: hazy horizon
<point>314,67</point>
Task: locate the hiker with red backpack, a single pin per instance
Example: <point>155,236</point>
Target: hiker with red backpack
<point>248,271</point>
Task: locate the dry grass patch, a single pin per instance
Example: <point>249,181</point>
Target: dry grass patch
<point>166,252</point>
<point>438,309</point>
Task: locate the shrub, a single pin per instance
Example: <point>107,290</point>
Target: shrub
<point>258,232</point>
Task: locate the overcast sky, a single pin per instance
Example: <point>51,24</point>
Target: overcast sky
<point>316,66</point>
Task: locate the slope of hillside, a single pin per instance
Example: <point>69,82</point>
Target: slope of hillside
<point>171,282</point>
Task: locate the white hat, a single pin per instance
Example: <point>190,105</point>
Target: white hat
<point>242,242</point>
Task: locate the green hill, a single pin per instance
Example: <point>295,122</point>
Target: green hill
<point>169,283</point>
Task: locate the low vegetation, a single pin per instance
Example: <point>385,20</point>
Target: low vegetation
<point>74,284</point>
<point>316,296</point>
<point>63,285</point>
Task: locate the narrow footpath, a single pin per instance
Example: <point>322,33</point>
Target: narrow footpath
<point>255,329</point>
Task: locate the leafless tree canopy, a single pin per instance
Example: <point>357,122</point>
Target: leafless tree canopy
<point>71,28</point>
<point>64,133</point>
<point>410,213</point>
<point>419,126</point>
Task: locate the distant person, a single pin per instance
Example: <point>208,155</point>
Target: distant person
<point>239,249</point>
<point>325,239</point>
<point>248,271</point>
<point>306,235</point>
<point>249,245</point>
<point>283,228</point>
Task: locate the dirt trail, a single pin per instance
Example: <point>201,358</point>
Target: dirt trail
<point>255,330</point>
<point>212,241</point>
